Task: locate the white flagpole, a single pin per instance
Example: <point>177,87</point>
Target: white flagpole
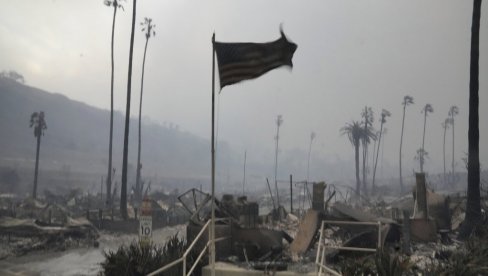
<point>212,223</point>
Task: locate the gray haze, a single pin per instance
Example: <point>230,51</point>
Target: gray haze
<point>350,54</point>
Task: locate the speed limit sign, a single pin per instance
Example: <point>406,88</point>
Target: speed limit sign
<point>145,222</point>
<point>145,228</point>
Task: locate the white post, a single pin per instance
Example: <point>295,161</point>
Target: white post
<point>184,266</point>
<point>212,226</point>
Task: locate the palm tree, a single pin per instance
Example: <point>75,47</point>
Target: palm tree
<point>123,188</point>
<point>353,130</point>
<point>445,126</point>
<point>426,110</point>
<point>39,123</point>
<point>453,111</point>
<point>473,204</point>
<point>149,29</point>
<point>407,100</point>
<point>367,114</point>
<point>384,113</point>
<point>115,4</point>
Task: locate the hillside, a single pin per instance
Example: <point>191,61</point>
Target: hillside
<point>77,138</point>
<point>75,148</point>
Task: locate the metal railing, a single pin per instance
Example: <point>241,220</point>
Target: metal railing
<point>182,259</point>
<point>322,246</point>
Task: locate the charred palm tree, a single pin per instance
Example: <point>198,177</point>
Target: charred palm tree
<point>353,130</point>
<point>426,110</point>
<point>148,27</point>
<point>123,188</point>
<point>445,126</point>
<point>453,111</point>
<point>39,123</point>
<point>473,204</point>
<point>384,113</point>
<point>368,118</point>
<point>115,4</point>
<point>407,100</point>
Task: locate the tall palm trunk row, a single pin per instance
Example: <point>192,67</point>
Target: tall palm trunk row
<point>149,30</point>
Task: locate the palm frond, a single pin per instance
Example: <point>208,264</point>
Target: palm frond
<point>407,100</point>
<point>428,108</point>
<point>453,111</point>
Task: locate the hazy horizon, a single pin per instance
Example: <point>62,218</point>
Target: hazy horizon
<point>350,55</point>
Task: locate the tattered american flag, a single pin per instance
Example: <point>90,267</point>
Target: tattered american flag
<point>243,61</point>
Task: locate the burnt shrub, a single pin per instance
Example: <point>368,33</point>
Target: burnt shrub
<point>141,259</point>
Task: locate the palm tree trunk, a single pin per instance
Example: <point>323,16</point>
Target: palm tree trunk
<point>139,166</point>
<point>423,142</point>
<point>382,155</point>
<point>36,171</point>
<point>374,151</point>
<point>109,172</point>
<point>453,175</point>
<point>376,160</point>
<point>444,153</point>
<point>365,149</point>
<point>473,205</point>
<point>123,188</point>
<point>401,144</point>
<point>365,154</point>
<point>358,181</point>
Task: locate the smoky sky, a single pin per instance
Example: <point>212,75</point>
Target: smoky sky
<point>350,54</point>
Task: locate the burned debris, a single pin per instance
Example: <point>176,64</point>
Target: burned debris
<point>33,225</point>
<point>417,230</point>
<point>413,232</point>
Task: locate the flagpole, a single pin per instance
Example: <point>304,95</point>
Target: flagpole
<point>212,223</point>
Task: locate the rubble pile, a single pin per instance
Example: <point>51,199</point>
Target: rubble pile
<point>415,233</point>
<point>35,225</point>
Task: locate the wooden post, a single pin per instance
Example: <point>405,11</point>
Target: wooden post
<point>212,148</point>
<point>406,232</point>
